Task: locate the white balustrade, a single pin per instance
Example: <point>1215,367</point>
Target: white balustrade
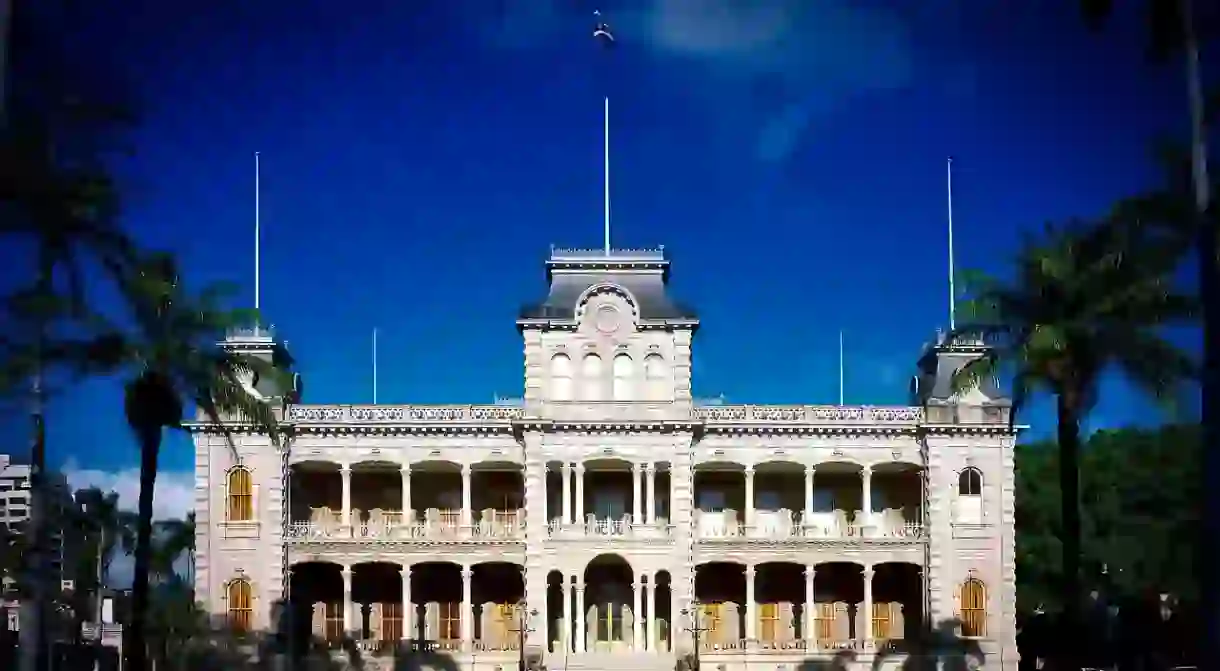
<point>503,526</point>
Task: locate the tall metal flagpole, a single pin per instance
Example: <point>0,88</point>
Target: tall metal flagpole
<point>256,232</point>
<point>952,287</point>
<point>606,172</point>
<point>374,366</point>
<point>840,366</point>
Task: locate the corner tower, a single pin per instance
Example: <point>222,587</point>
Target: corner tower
<point>607,338</point>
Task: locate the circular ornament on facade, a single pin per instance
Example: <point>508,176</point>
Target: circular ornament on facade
<point>606,319</point>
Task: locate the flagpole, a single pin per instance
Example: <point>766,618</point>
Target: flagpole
<point>374,366</point>
<point>840,366</point>
<point>952,288</point>
<point>256,233</point>
<point>606,171</point>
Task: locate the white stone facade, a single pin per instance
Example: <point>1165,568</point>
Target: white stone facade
<point>754,534</point>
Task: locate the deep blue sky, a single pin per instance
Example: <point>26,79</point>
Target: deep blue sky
<point>418,158</point>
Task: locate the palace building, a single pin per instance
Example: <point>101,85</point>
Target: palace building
<point>610,520</point>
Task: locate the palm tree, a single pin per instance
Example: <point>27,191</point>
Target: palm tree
<point>174,358</point>
<point>176,537</point>
<point>1081,303</point>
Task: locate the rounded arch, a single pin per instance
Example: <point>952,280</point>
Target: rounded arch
<point>607,288</point>
<point>239,494</point>
<point>972,609</point>
<point>609,560</point>
<point>561,376</point>
<point>970,482</point>
<point>239,601</point>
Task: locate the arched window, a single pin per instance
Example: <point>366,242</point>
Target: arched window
<point>655,377</point>
<point>973,612</point>
<point>591,377</point>
<point>240,495</point>
<point>969,504</point>
<point>561,377</point>
<point>622,377</point>
<point>970,482</point>
<point>241,610</point>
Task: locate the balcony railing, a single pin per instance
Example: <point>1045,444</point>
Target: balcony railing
<point>712,647</point>
<point>786,524</point>
<point>599,527</point>
<point>437,525</point>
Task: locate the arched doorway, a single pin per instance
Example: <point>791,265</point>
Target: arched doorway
<point>608,601</point>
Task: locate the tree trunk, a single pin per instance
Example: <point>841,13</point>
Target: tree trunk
<point>149,437</point>
<point>1069,488</point>
<point>1206,244</point>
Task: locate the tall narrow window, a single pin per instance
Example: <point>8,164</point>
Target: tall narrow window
<point>712,614</point>
<point>591,377</point>
<point>391,621</point>
<point>823,621</point>
<point>241,609</point>
<point>768,620</point>
<point>656,376</point>
<point>561,377</point>
<point>622,377</point>
<point>970,496</point>
<point>974,608</point>
<point>450,621</point>
<point>334,621</point>
<point>882,617</point>
<point>241,495</point>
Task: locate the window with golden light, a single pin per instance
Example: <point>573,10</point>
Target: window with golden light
<point>240,488</point>
<point>768,620</point>
<point>974,608</point>
<point>882,620</point>
<point>450,621</point>
<point>824,619</point>
<point>334,622</point>
<point>712,614</point>
<point>241,610</point>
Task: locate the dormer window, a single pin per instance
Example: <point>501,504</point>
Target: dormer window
<point>591,377</point>
<point>623,371</point>
<point>561,377</point>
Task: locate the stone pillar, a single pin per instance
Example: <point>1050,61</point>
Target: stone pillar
<point>637,621</point>
<point>405,469</point>
<point>346,472</point>
<point>466,497</point>
<point>408,613</point>
<point>810,633</point>
<point>867,477</point>
<point>650,495</point>
<point>637,517</point>
<point>750,499</point>
<point>567,494</point>
<point>808,495</point>
<point>650,598</point>
<point>566,630</point>
<point>581,616</point>
<point>751,607</point>
<point>868,603</point>
<point>580,494</point>
<point>466,627</point>
<point>348,620</point>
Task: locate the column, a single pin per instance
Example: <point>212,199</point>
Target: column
<point>405,470</point>
<point>867,477</point>
<point>650,598</point>
<point>581,617</point>
<point>580,495</point>
<point>464,626</point>
<point>567,495</point>
<point>408,612</point>
<point>808,629</point>
<point>637,517</point>
<point>650,496</point>
<point>750,499</point>
<point>808,495</point>
<point>466,497</point>
<point>566,631</point>
<point>868,603</point>
<point>637,622</point>
<point>346,472</point>
<point>348,624</point>
<point>751,607</point>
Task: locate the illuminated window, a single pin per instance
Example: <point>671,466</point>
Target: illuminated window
<point>712,616</point>
<point>241,495</point>
<point>334,622</point>
<point>241,610</point>
<point>391,621</point>
<point>505,625</point>
<point>823,621</point>
<point>450,621</point>
<point>768,619</point>
<point>609,622</point>
<point>881,621</point>
<point>974,608</point>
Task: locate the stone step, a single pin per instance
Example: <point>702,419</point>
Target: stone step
<point>614,661</point>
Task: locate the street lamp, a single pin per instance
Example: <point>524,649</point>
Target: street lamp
<point>523,621</point>
<point>694,629</point>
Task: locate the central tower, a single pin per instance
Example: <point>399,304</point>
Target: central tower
<point>608,333</point>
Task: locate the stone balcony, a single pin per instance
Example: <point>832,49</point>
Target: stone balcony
<point>600,528</point>
<point>437,526</point>
<point>787,524</point>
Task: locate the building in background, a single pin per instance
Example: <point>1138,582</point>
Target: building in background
<point>610,520</point>
<point>15,503</point>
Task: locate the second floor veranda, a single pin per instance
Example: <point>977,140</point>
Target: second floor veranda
<point>603,498</point>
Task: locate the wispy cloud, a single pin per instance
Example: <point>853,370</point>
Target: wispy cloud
<point>811,57</point>
<point>173,496</point>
